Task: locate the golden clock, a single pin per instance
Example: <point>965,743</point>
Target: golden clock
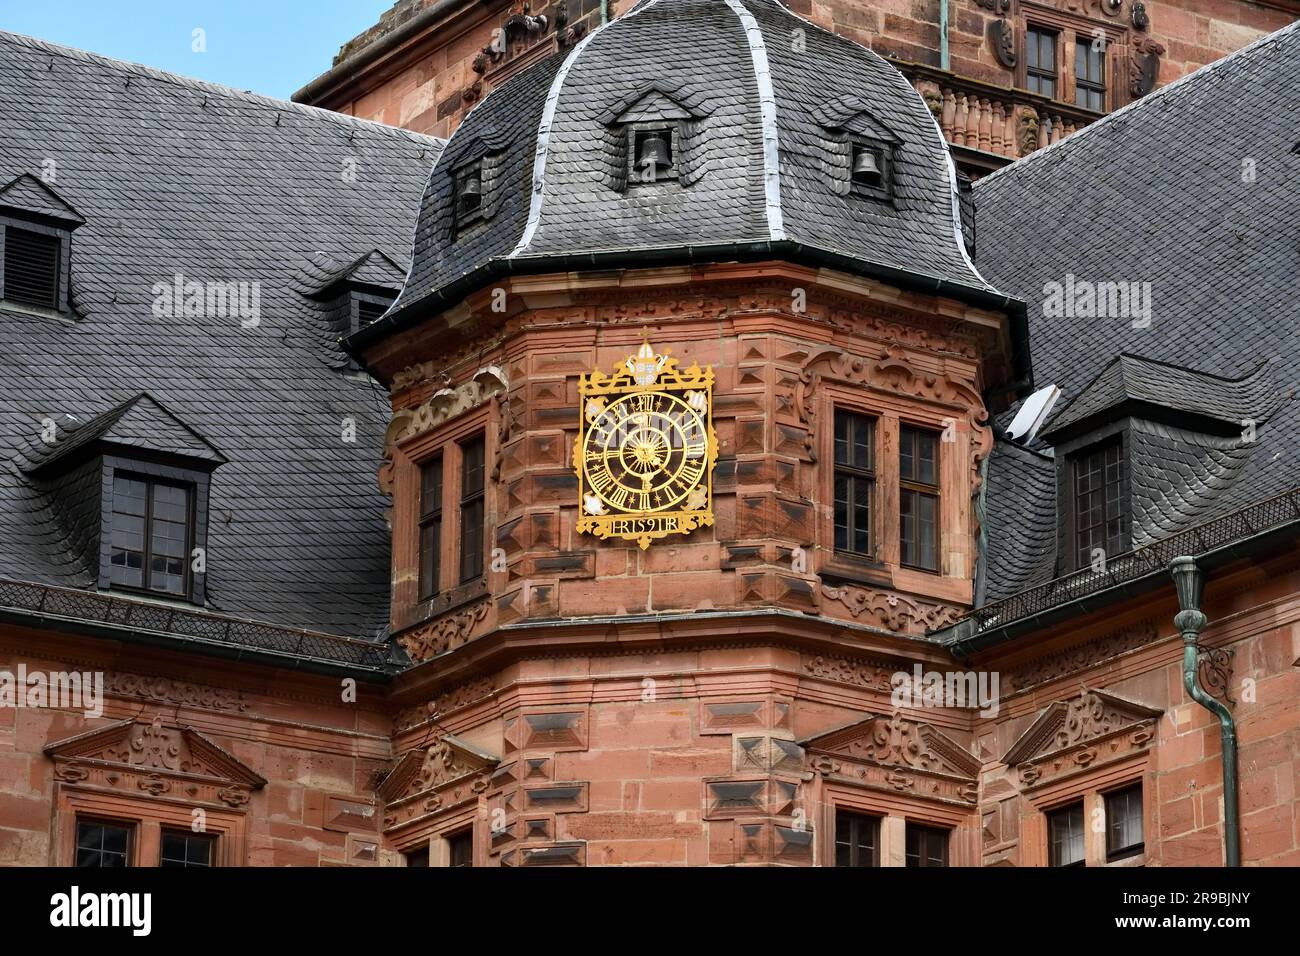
<point>646,449</point>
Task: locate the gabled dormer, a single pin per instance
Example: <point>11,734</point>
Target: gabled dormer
<point>652,136</point>
<point>36,227</point>
<point>859,148</point>
<point>1146,448</point>
<point>130,488</point>
<point>350,293</point>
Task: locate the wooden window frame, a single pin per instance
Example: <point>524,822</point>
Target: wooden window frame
<point>917,487</point>
<point>1076,561</point>
<point>1115,854</point>
<point>1055,74</point>
<point>147,819</point>
<point>1068,27</point>
<point>1089,787</point>
<point>151,481</point>
<point>436,837</point>
<point>1085,85</point>
<point>1056,813</point>
<point>856,473</point>
<point>468,500</point>
<point>951,582</point>
<point>854,818</point>
<point>210,838</point>
<point>131,837</point>
<point>923,831</point>
<point>430,512</point>
<point>895,812</point>
<point>446,440</point>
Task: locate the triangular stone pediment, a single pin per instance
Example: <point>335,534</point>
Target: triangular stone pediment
<point>1063,724</point>
<point>894,741</point>
<point>444,762</point>
<point>28,197</point>
<point>157,750</point>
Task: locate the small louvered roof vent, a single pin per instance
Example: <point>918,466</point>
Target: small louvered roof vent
<point>31,267</point>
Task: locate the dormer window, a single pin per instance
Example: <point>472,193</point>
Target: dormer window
<point>1099,503</point>
<point>468,183</point>
<point>31,267</point>
<point>35,238</point>
<point>652,152</point>
<point>152,525</point>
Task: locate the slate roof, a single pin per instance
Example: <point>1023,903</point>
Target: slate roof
<point>1194,189</point>
<point>176,176</point>
<point>763,157</point>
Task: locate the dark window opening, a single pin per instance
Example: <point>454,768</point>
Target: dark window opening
<point>418,856</point>
<point>471,509</point>
<point>651,154</point>
<point>1040,61</point>
<point>857,839</point>
<point>468,183</point>
<point>855,481</point>
<point>31,267</point>
<point>150,533</point>
<point>430,528</point>
<point>460,847</point>
<point>918,476</point>
<point>186,849</point>
<point>1065,836</point>
<point>1090,74</point>
<point>1100,511</point>
<point>926,846</point>
<point>1124,823</point>
<point>103,844</point>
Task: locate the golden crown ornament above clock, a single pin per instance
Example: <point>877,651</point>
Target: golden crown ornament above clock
<point>646,449</point>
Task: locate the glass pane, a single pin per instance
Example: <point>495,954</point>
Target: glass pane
<point>841,513</point>
<point>431,487</point>
<point>471,468</point>
<point>430,557</point>
<point>471,540</point>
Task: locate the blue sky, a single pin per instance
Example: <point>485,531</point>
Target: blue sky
<point>268,46</point>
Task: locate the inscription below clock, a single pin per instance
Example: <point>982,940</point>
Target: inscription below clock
<point>646,449</point>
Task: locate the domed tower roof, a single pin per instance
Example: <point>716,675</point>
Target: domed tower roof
<point>776,139</point>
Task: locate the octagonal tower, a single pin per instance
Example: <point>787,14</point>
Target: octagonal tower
<point>724,187</point>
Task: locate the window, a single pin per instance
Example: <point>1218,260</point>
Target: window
<point>1124,823</point>
<point>31,267</point>
<point>1090,74</point>
<point>857,839</point>
<point>1100,512</point>
<point>1065,836</point>
<point>855,481</point>
<point>471,509</point>
<point>467,183</point>
<point>926,846</point>
<point>651,154</point>
<point>460,847</point>
<point>918,477</point>
<point>150,535</point>
<point>1040,61</point>
<point>419,856</point>
<point>103,844</point>
<point>430,528</point>
<point>186,849</point>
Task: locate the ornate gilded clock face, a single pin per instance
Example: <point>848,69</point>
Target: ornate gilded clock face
<point>646,449</point>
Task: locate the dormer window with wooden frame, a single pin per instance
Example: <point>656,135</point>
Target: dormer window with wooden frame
<point>35,247</point>
<point>1099,503</point>
<point>652,138</point>
<point>150,535</point>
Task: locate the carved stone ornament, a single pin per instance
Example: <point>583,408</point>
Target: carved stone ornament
<point>1144,67</point>
<point>875,676</point>
<point>1003,35</point>
<point>445,405</point>
<point>155,759</point>
<point>893,612</point>
<point>166,690</point>
<point>1075,659</point>
<point>1027,131</point>
<point>451,700</point>
<point>1071,735</point>
<point>442,634</point>
<point>443,775</point>
<point>893,753</point>
<point>997,6</point>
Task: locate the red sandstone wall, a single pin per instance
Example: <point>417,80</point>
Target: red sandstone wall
<point>426,87</point>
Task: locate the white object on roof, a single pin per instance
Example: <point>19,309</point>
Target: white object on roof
<point>1033,413</point>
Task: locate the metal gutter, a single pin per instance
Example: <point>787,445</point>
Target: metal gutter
<point>965,640</point>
